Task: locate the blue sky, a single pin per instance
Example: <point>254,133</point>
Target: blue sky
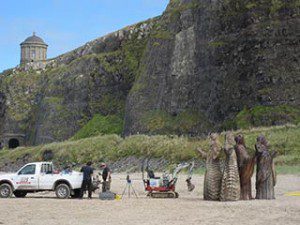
<point>66,24</point>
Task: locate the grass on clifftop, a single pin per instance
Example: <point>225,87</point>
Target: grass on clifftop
<point>284,139</point>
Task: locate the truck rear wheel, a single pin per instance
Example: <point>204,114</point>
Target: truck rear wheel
<point>62,191</point>
<point>20,194</point>
<point>5,191</point>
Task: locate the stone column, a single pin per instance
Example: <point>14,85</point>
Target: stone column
<point>40,54</point>
<point>28,54</point>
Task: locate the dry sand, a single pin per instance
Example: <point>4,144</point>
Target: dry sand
<point>44,208</point>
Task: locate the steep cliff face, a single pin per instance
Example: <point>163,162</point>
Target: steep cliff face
<point>218,58</point>
<point>203,65</point>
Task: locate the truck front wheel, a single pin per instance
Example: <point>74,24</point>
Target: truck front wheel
<point>20,194</point>
<point>62,191</point>
<point>5,191</point>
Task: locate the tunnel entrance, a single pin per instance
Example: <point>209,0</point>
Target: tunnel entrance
<point>13,143</point>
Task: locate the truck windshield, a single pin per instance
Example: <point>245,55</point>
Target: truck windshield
<point>28,170</point>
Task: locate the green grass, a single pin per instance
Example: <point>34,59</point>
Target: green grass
<point>176,8</point>
<point>100,125</point>
<point>267,116</point>
<point>199,171</point>
<point>288,169</point>
<point>285,169</point>
<point>160,122</point>
<point>284,139</point>
<point>163,35</point>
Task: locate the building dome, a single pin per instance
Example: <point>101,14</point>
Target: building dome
<point>33,49</point>
<point>33,40</point>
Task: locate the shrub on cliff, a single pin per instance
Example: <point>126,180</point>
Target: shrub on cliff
<point>100,125</point>
<point>267,116</point>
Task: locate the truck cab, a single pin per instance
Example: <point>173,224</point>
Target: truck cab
<point>40,176</point>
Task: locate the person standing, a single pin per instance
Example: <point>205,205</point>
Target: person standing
<point>106,176</point>
<point>87,171</point>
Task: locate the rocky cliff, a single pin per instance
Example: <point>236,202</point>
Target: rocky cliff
<point>52,104</point>
<point>216,60</point>
<point>203,65</point>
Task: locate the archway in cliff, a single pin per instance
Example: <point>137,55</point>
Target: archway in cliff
<point>13,143</point>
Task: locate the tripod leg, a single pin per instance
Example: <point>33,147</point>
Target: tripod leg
<point>124,192</point>
<point>129,190</point>
<point>134,192</point>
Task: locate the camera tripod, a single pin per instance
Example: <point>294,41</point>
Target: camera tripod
<point>129,188</point>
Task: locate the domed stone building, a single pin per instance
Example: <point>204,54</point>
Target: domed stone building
<point>33,49</point>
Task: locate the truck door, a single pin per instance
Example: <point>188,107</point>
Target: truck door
<point>27,178</point>
<point>47,177</point>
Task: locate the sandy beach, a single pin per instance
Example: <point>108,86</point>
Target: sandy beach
<point>189,208</point>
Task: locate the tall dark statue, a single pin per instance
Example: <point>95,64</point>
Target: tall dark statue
<point>230,189</point>
<point>265,174</point>
<point>246,167</point>
<point>213,174</point>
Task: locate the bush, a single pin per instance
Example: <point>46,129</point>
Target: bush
<point>187,122</point>
<point>99,125</point>
<point>283,139</point>
<point>267,116</point>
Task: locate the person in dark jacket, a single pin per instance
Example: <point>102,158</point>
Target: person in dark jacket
<point>87,179</point>
<point>106,176</point>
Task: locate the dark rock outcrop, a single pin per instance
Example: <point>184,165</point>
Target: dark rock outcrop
<point>220,57</point>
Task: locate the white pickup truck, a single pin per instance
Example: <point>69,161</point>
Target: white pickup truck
<point>40,176</point>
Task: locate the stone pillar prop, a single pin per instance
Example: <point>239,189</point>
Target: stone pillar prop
<point>230,189</point>
<point>213,174</point>
<point>246,165</point>
<point>265,174</point>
